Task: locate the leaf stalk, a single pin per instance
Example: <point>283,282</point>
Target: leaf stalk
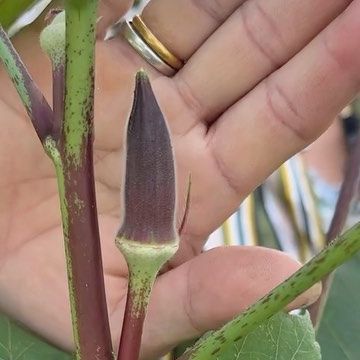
<point>34,102</point>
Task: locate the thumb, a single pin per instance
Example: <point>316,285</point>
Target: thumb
<point>209,290</point>
<point>109,12</point>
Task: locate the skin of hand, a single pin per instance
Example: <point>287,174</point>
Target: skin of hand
<point>262,80</point>
<point>327,156</point>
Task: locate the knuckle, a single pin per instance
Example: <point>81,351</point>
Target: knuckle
<point>189,98</point>
<point>213,8</point>
<point>337,51</point>
<point>282,110</point>
<point>263,32</point>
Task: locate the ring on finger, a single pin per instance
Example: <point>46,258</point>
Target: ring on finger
<point>146,44</point>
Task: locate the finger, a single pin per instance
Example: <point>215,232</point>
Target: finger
<point>109,12</point>
<point>182,26</point>
<point>290,108</point>
<point>328,155</point>
<point>258,38</point>
<point>209,290</point>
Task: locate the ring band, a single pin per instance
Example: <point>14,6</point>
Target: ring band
<point>140,27</point>
<point>144,49</point>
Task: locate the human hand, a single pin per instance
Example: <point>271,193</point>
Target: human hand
<point>237,110</point>
<point>327,156</point>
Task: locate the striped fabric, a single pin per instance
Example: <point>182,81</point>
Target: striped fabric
<point>280,214</point>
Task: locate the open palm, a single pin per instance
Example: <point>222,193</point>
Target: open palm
<point>259,85</point>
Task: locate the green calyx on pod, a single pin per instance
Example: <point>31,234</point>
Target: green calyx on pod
<point>144,262</point>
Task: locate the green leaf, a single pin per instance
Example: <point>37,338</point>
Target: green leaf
<point>339,331</point>
<point>10,10</point>
<point>282,337</point>
<point>17,343</point>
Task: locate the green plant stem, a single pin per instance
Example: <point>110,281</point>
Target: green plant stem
<point>339,251</point>
<point>80,60</point>
<point>69,144</point>
<point>77,188</point>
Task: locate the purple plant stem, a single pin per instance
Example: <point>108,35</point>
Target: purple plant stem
<point>77,192</point>
<point>82,241</point>
<point>58,98</point>
<point>81,230</point>
<point>35,103</point>
<point>348,190</point>
<point>130,341</point>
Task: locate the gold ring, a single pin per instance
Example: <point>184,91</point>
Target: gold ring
<point>155,44</point>
<point>125,29</point>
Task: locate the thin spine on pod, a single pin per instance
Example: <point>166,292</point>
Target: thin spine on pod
<point>148,236</point>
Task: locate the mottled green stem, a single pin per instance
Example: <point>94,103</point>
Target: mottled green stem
<point>339,251</point>
<point>52,150</point>
<point>81,231</point>
<point>80,60</point>
<point>69,143</point>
